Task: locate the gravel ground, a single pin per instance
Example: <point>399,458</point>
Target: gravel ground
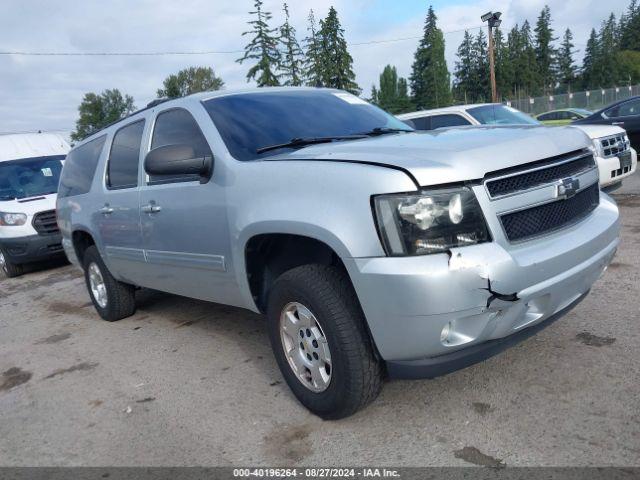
<point>189,383</point>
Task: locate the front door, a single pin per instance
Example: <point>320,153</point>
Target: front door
<point>184,222</point>
<point>118,216</point>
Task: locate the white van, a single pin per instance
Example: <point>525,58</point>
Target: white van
<point>30,167</point>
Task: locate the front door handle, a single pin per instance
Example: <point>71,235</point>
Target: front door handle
<point>620,124</point>
<point>151,208</point>
<point>106,210</point>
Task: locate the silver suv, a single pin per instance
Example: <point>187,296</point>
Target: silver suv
<point>373,249</point>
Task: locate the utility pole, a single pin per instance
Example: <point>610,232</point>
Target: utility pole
<point>493,21</point>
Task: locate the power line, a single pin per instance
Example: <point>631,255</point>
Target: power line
<point>201,52</point>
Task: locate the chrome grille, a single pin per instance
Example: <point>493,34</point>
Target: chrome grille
<point>543,219</point>
<point>46,223</point>
<point>535,176</point>
<point>614,145</point>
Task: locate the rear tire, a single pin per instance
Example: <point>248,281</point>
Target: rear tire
<point>355,373</point>
<point>114,300</point>
<point>10,270</point>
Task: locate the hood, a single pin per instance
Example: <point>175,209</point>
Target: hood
<point>452,155</point>
<point>599,131</point>
<point>31,205</point>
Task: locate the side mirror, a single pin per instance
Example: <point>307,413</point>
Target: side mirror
<point>575,117</point>
<point>178,160</point>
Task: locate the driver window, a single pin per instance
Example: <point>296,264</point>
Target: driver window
<point>178,127</point>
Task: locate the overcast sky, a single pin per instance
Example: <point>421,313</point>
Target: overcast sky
<point>42,92</point>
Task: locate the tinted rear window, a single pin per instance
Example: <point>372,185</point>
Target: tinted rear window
<point>448,120</point>
<point>80,168</point>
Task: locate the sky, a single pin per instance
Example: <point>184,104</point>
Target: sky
<point>43,92</point>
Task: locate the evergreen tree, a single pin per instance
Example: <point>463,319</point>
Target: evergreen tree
<point>607,63</point>
<point>99,110</point>
<point>404,102</point>
<point>480,69</point>
<point>463,87</point>
<point>566,66</point>
<point>527,77</point>
<point>392,95</point>
<point>335,60</point>
<point>590,77</point>
<point>188,81</point>
<point>263,47</point>
<point>292,57</point>
<point>544,50</point>
<point>313,54</point>
<point>430,76</point>
<point>504,70</point>
<point>630,28</point>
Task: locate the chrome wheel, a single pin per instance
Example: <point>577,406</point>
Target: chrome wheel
<point>305,346</point>
<point>96,283</point>
<point>3,261</point>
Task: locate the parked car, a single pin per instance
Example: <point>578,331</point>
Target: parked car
<point>615,158</point>
<point>563,116</point>
<point>372,249</point>
<point>30,166</point>
<point>624,113</point>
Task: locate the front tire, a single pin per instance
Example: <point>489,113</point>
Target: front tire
<point>320,341</point>
<point>10,270</point>
<point>112,299</point>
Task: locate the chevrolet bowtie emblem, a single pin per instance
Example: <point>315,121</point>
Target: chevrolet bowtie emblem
<point>567,187</point>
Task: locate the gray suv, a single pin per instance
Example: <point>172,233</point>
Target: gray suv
<point>374,250</point>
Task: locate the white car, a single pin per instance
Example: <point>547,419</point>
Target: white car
<point>614,156</point>
<point>30,167</point>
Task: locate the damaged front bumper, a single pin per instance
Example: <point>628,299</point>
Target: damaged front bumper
<point>433,314</point>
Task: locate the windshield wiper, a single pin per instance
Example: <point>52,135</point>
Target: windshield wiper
<point>384,131</point>
<point>303,142</point>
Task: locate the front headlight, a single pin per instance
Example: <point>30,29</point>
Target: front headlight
<point>429,222</point>
<point>12,219</point>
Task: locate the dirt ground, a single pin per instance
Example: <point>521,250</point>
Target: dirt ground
<point>189,383</point>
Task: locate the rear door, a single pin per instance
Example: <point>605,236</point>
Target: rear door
<point>184,222</point>
<point>118,217</point>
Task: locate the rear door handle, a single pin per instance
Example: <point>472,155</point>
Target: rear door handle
<point>151,208</point>
<point>106,210</point>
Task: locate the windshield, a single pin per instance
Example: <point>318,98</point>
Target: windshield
<point>501,115</point>
<point>30,177</point>
<point>252,121</point>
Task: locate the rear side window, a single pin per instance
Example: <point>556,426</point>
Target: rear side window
<point>422,123</point>
<point>124,159</point>
<point>178,127</point>
<point>547,117</point>
<point>440,121</point>
<point>80,168</point>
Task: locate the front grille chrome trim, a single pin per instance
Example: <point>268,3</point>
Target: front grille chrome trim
<point>490,179</point>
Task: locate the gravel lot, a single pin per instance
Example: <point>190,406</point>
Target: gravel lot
<point>189,383</point>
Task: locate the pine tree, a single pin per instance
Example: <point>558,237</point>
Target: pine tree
<point>392,95</point>
<point>292,57</point>
<point>607,63</point>
<point>528,77</point>
<point>335,60</point>
<point>630,28</point>
<point>480,69</point>
<point>463,87</point>
<point>590,77</point>
<point>545,52</point>
<point>404,102</point>
<point>430,76</point>
<point>504,69</point>
<point>262,47</point>
<point>566,66</point>
<point>313,54</point>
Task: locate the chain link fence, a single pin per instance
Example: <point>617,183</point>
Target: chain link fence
<point>590,100</point>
